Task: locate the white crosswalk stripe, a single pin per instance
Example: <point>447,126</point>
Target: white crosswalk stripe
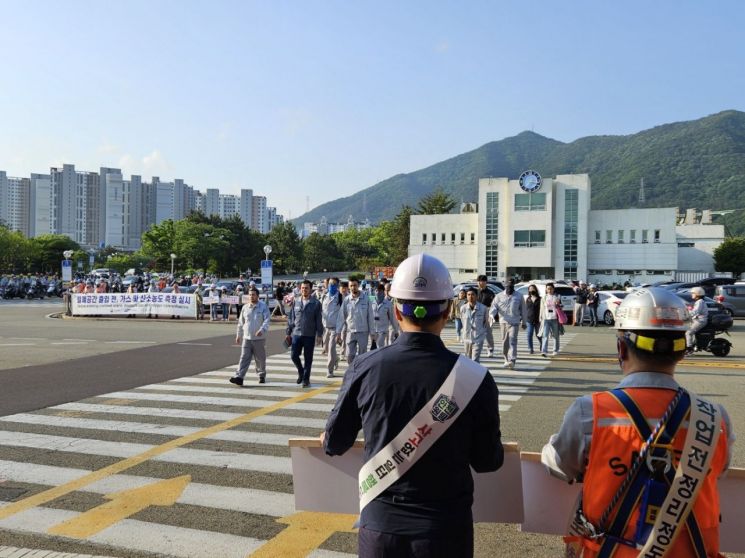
<point>183,407</point>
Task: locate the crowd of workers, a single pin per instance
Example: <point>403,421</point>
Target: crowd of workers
<point>415,500</point>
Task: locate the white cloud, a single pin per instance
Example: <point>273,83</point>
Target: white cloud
<point>155,163</point>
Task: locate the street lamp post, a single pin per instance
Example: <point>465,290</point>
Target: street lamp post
<point>173,260</point>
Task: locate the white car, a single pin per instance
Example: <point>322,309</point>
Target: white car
<point>565,292</point>
<point>609,302</point>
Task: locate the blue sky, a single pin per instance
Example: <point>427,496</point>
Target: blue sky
<point>325,98</point>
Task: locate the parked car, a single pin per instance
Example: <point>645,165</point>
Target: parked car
<point>471,284</point>
<point>732,297</point>
<point>608,304</point>
<point>565,292</point>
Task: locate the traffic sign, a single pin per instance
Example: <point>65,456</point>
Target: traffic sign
<point>67,270</point>
<point>266,273</point>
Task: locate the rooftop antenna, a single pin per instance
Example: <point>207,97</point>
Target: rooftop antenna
<point>642,198</point>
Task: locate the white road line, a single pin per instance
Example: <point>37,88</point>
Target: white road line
<point>230,390</point>
<point>152,538</point>
<point>248,500</point>
<point>28,338</point>
<point>196,344</point>
<point>280,420</point>
<point>69,343</point>
<point>243,461</point>
<point>130,342</point>
<point>17,344</point>
<point>221,401</point>
<point>241,436</point>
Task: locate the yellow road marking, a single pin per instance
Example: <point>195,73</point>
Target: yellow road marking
<point>691,363</point>
<point>119,401</point>
<point>115,468</point>
<point>72,414</point>
<point>306,531</point>
<point>123,505</point>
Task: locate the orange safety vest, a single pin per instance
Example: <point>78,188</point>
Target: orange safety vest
<point>615,445</point>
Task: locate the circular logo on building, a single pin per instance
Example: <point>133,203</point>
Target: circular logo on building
<point>530,181</point>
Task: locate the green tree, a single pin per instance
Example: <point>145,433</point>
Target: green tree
<point>16,252</point>
<point>435,203</point>
<point>287,250</point>
<point>356,248</point>
<point>321,253</point>
<point>158,243</point>
<point>47,251</point>
<point>730,255</point>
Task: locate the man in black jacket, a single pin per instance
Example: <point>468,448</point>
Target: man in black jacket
<point>305,326</point>
<point>426,512</point>
<point>485,296</point>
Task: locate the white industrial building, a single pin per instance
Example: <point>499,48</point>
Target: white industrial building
<point>544,228</point>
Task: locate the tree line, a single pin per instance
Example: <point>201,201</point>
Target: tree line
<point>226,247</point>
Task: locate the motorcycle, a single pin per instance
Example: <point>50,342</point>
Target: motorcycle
<point>12,290</point>
<point>35,290</point>
<point>707,340</point>
<point>54,289</point>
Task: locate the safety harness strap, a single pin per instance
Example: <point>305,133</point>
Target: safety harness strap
<point>659,450</point>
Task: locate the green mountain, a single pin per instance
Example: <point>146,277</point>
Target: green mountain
<point>700,163</point>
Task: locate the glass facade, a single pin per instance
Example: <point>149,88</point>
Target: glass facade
<point>530,202</point>
<point>491,234</point>
<point>571,211</point>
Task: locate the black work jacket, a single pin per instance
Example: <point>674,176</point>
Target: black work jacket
<point>380,394</point>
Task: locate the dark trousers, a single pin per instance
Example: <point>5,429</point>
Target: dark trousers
<point>374,544</point>
<point>306,344</point>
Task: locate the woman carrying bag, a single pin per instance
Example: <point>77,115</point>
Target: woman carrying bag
<point>550,313</point>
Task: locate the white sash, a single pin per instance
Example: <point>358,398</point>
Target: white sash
<point>422,431</point>
<point>704,427</point>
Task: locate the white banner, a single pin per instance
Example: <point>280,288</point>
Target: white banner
<point>170,304</point>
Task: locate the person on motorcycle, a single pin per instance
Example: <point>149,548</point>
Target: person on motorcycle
<point>699,318</point>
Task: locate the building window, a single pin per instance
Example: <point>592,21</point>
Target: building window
<point>609,237</point>
<point>530,202</point>
<point>597,237</point>
<point>452,238</point>
<point>621,237</point>
<point>645,235</point>
<point>571,221</point>
<point>462,238</point>
<point>530,239</point>
<point>657,236</point>
<point>424,238</point>
<point>434,238</point>
<point>473,238</point>
<point>686,244</point>
<point>491,234</point>
<point>632,236</point>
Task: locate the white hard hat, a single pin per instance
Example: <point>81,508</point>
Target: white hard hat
<point>699,291</point>
<point>422,278</point>
<point>652,309</point>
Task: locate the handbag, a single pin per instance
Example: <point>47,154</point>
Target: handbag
<point>560,315</point>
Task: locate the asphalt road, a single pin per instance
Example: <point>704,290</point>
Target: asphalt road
<point>66,410</point>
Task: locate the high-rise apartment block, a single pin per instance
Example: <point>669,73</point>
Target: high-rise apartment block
<point>102,208</point>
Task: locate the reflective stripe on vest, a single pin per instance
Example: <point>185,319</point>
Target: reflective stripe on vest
<point>616,441</point>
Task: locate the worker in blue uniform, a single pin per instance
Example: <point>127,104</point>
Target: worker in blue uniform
<point>428,416</point>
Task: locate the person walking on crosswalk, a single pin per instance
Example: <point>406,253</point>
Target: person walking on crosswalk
<point>253,325</point>
<point>356,315</point>
<point>509,308</point>
<point>475,317</point>
<point>305,328</point>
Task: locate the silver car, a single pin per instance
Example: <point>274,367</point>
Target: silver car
<point>732,297</point>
